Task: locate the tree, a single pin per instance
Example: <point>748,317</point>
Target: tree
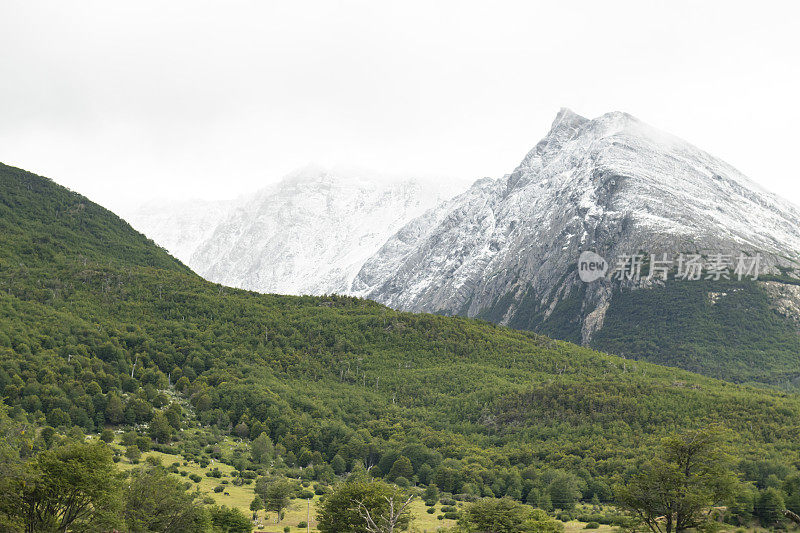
<point>540,522</point>
<point>115,411</point>
<point>48,436</point>
<point>257,504</point>
<point>69,487</point>
<point>769,508</point>
<point>58,418</point>
<point>174,415</point>
<point>791,491</point>
<point>155,501</point>
<point>107,436</point>
<point>275,493</point>
<point>160,430</point>
<point>402,467</point>
<point>492,515</point>
<point>564,491</point>
<point>345,510</point>
<point>387,521</point>
<point>262,448</point>
<point>338,464</point>
<point>682,483</point>
<point>229,520</point>
<point>133,453</point>
<point>242,430</point>
<point>431,493</point>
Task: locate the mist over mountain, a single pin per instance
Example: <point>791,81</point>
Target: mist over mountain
<point>308,234</point>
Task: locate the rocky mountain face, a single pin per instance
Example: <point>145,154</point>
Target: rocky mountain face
<point>308,234</point>
<point>507,249</point>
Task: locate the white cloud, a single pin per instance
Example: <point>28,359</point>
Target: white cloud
<point>205,99</point>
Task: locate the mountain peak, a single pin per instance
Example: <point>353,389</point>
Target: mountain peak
<point>567,118</point>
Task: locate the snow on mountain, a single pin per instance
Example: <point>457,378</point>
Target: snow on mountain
<point>179,227</point>
<point>308,234</point>
<point>508,247</point>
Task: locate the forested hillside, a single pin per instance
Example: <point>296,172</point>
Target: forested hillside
<point>101,328</point>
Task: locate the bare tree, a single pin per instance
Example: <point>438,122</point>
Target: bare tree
<point>388,523</point>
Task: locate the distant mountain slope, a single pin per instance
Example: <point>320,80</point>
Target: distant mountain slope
<point>96,314</point>
<point>507,249</point>
<point>308,234</point>
<point>41,221</point>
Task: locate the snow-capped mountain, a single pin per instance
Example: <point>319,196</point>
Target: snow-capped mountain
<point>507,249</point>
<point>308,234</point>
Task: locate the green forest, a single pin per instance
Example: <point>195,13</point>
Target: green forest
<point>101,331</point>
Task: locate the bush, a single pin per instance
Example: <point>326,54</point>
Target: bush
<point>305,494</point>
<point>431,510</point>
<point>195,478</point>
<point>452,516</point>
<point>591,525</point>
<point>302,525</point>
<point>107,436</point>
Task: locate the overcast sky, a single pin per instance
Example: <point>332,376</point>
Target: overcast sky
<point>125,101</point>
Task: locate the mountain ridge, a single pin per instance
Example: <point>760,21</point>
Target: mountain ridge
<point>507,249</point>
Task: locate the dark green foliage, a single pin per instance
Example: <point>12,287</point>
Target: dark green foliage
<point>229,520</point>
<point>155,501</point>
<point>160,430</point>
<point>95,322</point>
<point>42,223</point>
<point>402,467</point>
<point>66,488</point>
<point>727,329</point>
<point>107,436</point>
<point>507,516</point>
<point>736,335</point>
<point>769,508</point>
<point>674,490</point>
<point>275,492</point>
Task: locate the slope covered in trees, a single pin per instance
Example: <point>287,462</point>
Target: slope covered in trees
<point>98,327</point>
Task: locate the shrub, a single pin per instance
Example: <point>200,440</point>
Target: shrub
<point>591,525</point>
